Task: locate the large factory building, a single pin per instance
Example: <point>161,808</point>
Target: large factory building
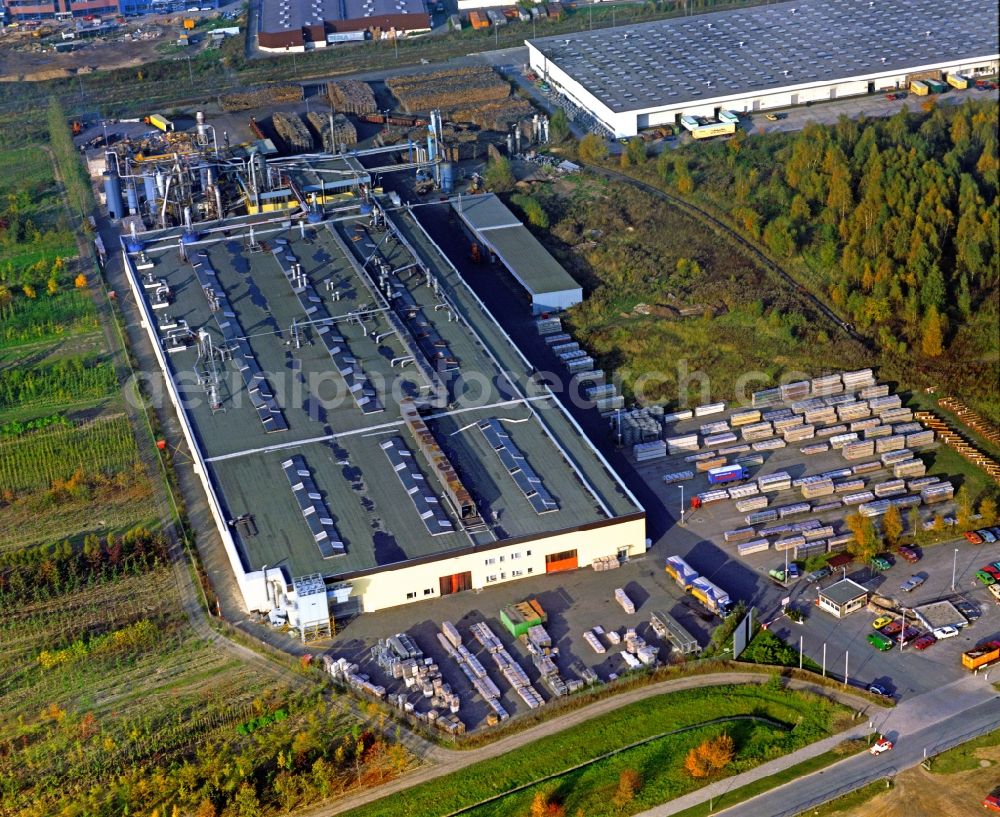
<point>774,56</point>
<point>298,25</point>
<point>367,435</point>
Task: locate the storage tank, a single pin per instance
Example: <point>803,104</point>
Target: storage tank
<point>447,177</point>
<point>132,194</point>
<point>149,184</point>
<point>113,194</point>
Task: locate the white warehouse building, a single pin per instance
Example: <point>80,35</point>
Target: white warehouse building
<point>640,76</point>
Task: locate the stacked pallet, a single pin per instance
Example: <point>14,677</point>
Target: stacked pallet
<point>591,638</point>
<point>605,563</point>
<point>452,88</point>
<point>293,131</point>
<point>261,97</point>
<point>351,96</point>
<point>332,136</point>
<point>626,603</point>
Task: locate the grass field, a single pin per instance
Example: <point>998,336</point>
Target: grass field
<point>801,718</point>
<point>689,319</point>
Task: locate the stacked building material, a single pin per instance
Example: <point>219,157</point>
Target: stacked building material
<point>789,543</point>
<point>754,503</point>
<point>941,492</point>
<point>767,397</point>
<point>853,381</point>
<point>866,467</point>
<point>261,97</point>
<point>451,88</point>
<point>892,487</point>
<point>919,439</point>
<point>293,132</point>
<point>626,603</point>
<point>832,505</point>
<point>753,546</point>
<point>678,476</point>
<point>869,392</point>
<point>831,431</point>
<point>706,409</point>
<point>653,450</point>
<point>817,487</point>
<point>838,441</point>
<point>601,563</point>
<point>778,481</point>
<point>334,131</point>
<point>814,448</point>
<point>680,445</point>
<point>753,432</point>
<point>909,468</point>
<point>718,427</point>
<point>862,425</point>
<point>768,445</point>
<point>828,384</point>
<point>739,535</point>
<point>594,642</point>
<point>744,418</point>
<point>351,96</point>
<point>820,416</point>
<point>858,449</point>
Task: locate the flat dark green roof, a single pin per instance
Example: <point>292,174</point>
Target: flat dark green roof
<point>368,504</point>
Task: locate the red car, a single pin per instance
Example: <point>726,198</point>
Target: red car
<point>890,97</point>
<point>908,635</point>
<point>973,537</point>
<point>909,554</point>
<point>992,800</point>
<point>892,628</point>
<point>992,570</point>
<point>924,641</point>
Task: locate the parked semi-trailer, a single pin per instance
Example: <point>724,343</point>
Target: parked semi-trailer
<point>727,473</point>
<point>711,596</point>
<point>681,571</point>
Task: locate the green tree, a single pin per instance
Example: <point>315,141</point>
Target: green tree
<point>498,176</point>
<point>682,174</point>
<point>634,153</point>
<point>558,126</point>
<point>532,209</point>
<point>592,149</point>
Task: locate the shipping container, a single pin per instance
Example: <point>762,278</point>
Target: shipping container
<point>958,81</point>
<point>981,655</point>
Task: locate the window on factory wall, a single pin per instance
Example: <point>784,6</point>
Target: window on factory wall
<point>516,573</point>
<point>491,579</point>
<point>411,595</point>
<point>428,591</point>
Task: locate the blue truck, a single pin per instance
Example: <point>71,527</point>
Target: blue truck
<point>727,473</point>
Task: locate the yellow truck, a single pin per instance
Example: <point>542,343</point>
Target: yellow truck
<point>919,88</point>
<point>158,120</point>
<point>958,81</point>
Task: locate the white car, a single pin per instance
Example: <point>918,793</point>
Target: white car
<point>945,632</point>
<point>880,746</point>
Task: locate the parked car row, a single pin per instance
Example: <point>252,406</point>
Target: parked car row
<point>988,535</point>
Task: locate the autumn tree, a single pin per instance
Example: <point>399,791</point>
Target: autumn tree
<point>710,756</point>
<point>963,508</point>
<point>634,153</point>
<point>629,783</point>
<point>987,512</point>
<point>542,805</point>
<point>892,525</point>
<point>80,282</point>
<point>205,809</point>
<point>592,149</point>
<point>866,542</point>
<point>931,340</point>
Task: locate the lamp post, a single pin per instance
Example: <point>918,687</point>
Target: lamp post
<point>682,503</point>
<point>954,568</point>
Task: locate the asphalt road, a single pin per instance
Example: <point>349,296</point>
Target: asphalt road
<point>859,770</point>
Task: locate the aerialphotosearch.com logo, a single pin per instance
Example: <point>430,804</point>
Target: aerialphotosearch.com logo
<point>316,393</point>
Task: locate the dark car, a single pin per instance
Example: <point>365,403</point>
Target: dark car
<point>909,554</point>
<point>967,609</point>
<point>912,583</point>
<point>908,635</point>
<point>892,628</point>
<point>816,575</point>
<point>924,641</point>
<point>878,689</point>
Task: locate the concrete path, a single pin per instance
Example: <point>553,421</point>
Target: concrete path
<point>446,761</point>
